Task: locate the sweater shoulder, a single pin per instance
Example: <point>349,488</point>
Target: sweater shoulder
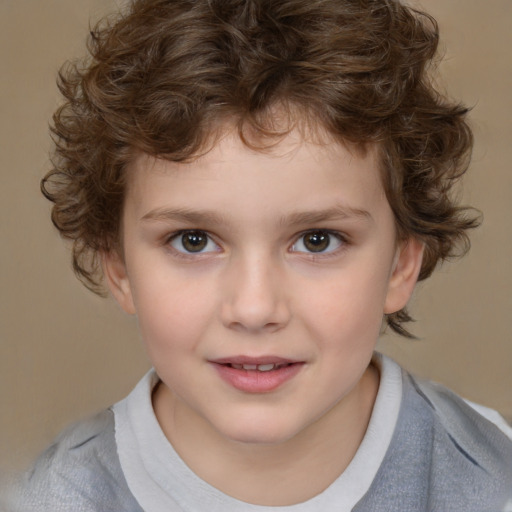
<point>475,435</point>
<point>79,471</point>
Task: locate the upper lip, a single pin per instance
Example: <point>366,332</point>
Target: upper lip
<point>253,360</point>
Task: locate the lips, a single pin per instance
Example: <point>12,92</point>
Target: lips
<point>257,375</point>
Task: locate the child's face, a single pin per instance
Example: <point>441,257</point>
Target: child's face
<point>248,258</point>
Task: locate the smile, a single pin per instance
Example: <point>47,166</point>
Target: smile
<point>257,376</point>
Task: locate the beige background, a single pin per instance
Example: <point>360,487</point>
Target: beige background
<point>65,353</point>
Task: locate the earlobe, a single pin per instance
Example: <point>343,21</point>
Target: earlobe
<point>404,276</point>
<point>116,276</point>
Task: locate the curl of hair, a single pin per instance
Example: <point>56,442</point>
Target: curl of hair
<point>162,77</point>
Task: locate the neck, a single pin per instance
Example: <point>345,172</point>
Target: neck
<point>304,465</point>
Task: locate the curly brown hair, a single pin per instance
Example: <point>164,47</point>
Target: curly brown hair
<point>162,76</point>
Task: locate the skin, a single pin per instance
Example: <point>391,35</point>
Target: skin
<point>256,289</point>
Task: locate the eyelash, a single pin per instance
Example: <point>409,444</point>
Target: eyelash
<point>340,238</point>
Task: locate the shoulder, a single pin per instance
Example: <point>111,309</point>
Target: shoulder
<point>469,457</point>
<point>80,471</point>
<point>478,430</point>
<point>443,455</point>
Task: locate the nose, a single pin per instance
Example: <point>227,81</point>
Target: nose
<point>255,297</point>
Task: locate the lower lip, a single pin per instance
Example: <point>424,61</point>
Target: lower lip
<point>254,381</point>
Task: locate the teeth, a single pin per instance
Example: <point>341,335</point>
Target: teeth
<point>252,367</point>
<point>266,367</point>
<point>259,367</point>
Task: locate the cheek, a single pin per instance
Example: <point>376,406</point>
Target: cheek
<point>172,314</point>
<point>350,307</point>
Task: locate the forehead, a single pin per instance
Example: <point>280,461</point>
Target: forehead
<point>293,175</point>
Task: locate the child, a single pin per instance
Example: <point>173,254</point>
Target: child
<point>262,183</point>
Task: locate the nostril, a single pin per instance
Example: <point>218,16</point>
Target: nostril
<point>269,327</point>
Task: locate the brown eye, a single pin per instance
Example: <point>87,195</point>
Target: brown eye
<point>193,242</point>
<point>318,241</point>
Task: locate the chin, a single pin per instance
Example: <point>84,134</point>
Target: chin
<point>258,431</point>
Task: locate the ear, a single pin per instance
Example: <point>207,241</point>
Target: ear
<point>406,268</point>
<point>114,270</point>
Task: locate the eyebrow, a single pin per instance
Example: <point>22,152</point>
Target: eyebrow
<point>184,215</point>
<point>338,212</point>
